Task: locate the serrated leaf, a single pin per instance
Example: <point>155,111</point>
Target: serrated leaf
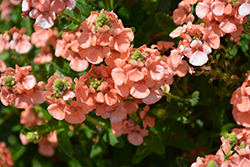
<point>195,98</point>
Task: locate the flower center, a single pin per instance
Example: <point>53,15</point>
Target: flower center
<point>138,56</point>
<point>9,82</point>
<point>95,83</point>
<point>102,20</point>
<point>133,117</point>
<point>59,86</point>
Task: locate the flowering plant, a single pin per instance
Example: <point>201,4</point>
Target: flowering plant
<point>124,83</point>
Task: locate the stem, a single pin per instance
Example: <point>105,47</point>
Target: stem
<point>95,122</point>
<point>62,14</point>
<point>175,97</point>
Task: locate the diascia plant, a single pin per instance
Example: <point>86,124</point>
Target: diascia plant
<point>124,83</point>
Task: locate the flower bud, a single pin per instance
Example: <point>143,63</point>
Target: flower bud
<point>9,82</point>
<point>242,145</point>
<point>232,138</point>
<point>212,163</point>
<point>31,136</point>
<point>102,20</point>
<point>138,56</point>
<point>161,113</point>
<point>59,86</point>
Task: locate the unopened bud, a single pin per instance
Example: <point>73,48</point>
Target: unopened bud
<point>242,145</point>
<point>59,86</point>
<point>232,138</point>
<point>31,136</point>
<point>161,113</point>
<point>212,163</point>
<point>9,82</point>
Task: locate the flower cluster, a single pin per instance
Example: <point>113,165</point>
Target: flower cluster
<point>45,11</point>
<point>5,156</point>
<point>241,103</point>
<point>20,42</point>
<point>20,88</point>
<point>43,38</point>
<point>182,13</point>
<point>224,16</point>
<point>234,151</point>
<point>46,146</point>
<point>196,44</point>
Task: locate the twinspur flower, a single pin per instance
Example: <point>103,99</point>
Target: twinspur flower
<point>20,88</point>
<point>45,11</point>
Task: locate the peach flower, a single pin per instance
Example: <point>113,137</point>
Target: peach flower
<point>182,13</point>
<point>45,11</point>
<point>6,157</point>
<point>18,87</point>
<point>20,42</point>
<point>46,147</point>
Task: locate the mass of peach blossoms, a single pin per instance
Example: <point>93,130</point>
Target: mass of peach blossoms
<point>121,78</point>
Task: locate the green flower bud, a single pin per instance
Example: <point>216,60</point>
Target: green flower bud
<point>59,86</point>
<point>31,136</point>
<point>134,117</point>
<point>242,145</point>
<point>232,138</point>
<point>95,83</point>
<point>161,113</point>
<point>212,163</point>
<point>102,20</point>
<point>138,56</point>
<point>9,82</point>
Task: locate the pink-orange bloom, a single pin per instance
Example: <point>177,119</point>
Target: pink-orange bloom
<point>20,42</point>
<point>6,157</point>
<point>18,87</point>
<point>197,53</point>
<point>46,146</point>
<point>182,13</point>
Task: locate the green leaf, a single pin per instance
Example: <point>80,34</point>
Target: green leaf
<point>195,98</point>
<point>141,149</point>
<point>244,43</point>
<point>95,150</point>
<point>110,138</point>
<point>227,128</point>
<point>72,27</point>
<point>182,162</point>
<point>84,8</point>
<point>165,22</point>
<point>65,143</point>
<point>156,146</point>
<point>5,55</point>
<point>138,158</point>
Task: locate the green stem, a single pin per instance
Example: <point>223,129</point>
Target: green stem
<point>175,97</point>
<point>95,122</point>
<point>62,14</point>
